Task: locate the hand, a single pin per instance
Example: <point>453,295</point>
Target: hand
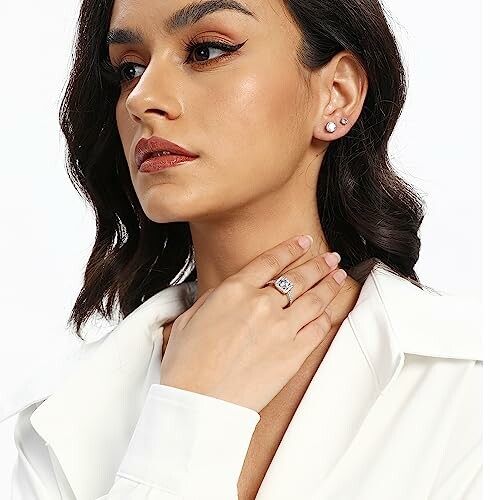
<point>239,342</point>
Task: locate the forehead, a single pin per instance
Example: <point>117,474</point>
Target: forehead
<point>174,15</point>
<point>182,11</point>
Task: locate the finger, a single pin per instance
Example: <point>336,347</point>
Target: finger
<point>272,262</point>
<point>309,315</point>
<point>188,314</point>
<point>305,276</point>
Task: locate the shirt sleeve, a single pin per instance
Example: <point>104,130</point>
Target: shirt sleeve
<point>33,475</point>
<point>185,445</point>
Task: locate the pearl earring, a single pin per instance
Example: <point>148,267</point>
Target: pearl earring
<point>331,127</point>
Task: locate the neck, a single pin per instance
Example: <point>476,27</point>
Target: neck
<point>221,250</point>
<point>225,245</point>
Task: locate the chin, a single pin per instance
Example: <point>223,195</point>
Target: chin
<point>170,210</point>
<point>162,215</point>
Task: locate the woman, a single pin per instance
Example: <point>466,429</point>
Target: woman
<point>207,137</point>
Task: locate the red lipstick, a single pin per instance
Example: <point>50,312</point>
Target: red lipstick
<point>155,154</point>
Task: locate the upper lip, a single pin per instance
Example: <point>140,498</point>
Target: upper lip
<point>146,147</point>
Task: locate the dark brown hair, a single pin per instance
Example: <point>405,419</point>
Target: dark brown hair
<point>368,213</point>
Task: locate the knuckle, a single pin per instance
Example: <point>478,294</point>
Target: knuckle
<point>319,266</point>
<point>332,285</point>
<point>315,302</point>
<point>297,278</point>
<point>294,249</point>
<point>327,321</point>
<point>233,286</point>
<point>271,262</point>
<point>262,303</point>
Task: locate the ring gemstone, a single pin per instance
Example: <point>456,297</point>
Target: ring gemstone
<point>283,284</point>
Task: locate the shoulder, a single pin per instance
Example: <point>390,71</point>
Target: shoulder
<point>44,377</point>
<point>439,337</point>
<point>122,339</point>
<point>427,322</point>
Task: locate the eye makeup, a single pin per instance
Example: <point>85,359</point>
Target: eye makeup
<point>115,74</point>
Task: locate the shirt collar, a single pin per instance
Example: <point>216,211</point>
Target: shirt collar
<point>390,318</point>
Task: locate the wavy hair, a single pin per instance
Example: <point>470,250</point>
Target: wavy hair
<point>368,213</point>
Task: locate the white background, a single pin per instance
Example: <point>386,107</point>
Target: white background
<point>48,232</point>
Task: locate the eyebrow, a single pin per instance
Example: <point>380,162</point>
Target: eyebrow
<point>186,16</point>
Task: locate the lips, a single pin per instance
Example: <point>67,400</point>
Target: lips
<point>146,148</point>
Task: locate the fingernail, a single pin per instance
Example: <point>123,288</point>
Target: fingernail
<point>332,259</point>
<point>305,241</point>
<point>340,276</point>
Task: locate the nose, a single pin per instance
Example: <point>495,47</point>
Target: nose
<point>153,97</point>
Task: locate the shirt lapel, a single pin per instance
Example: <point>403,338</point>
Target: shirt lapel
<point>390,318</point>
<point>360,363</point>
<point>89,420</point>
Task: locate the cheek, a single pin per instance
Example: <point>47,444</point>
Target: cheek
<point>243,122</point>
<point>252,117</point>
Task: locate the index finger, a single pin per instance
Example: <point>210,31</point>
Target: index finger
<point>272,262</point>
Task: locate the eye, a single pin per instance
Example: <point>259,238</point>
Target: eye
<point>202,50</point>
<point>117,75</point>
<point>126,71</point>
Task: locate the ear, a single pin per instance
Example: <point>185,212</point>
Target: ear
<point>341,86</point>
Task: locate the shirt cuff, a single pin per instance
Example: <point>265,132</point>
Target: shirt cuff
<point>189,443</point>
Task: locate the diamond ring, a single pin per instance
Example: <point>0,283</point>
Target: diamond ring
<point>284,286</point>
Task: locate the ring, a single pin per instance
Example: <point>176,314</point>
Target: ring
<point>284,286</point>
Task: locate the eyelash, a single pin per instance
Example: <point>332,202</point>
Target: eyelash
<point>112,74</point>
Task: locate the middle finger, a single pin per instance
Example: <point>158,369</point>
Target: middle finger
<point>305,276</point>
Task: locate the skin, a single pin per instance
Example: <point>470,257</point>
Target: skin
<point>260,135</point>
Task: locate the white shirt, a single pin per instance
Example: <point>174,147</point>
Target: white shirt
<point>393,412</point>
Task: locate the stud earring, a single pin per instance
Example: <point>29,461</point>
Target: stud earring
<point>331,127</point>
<point>344,121</point>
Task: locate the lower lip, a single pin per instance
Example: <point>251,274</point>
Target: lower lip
<point>158,163</point>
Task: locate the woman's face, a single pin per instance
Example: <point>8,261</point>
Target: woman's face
<point>244,113</point>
